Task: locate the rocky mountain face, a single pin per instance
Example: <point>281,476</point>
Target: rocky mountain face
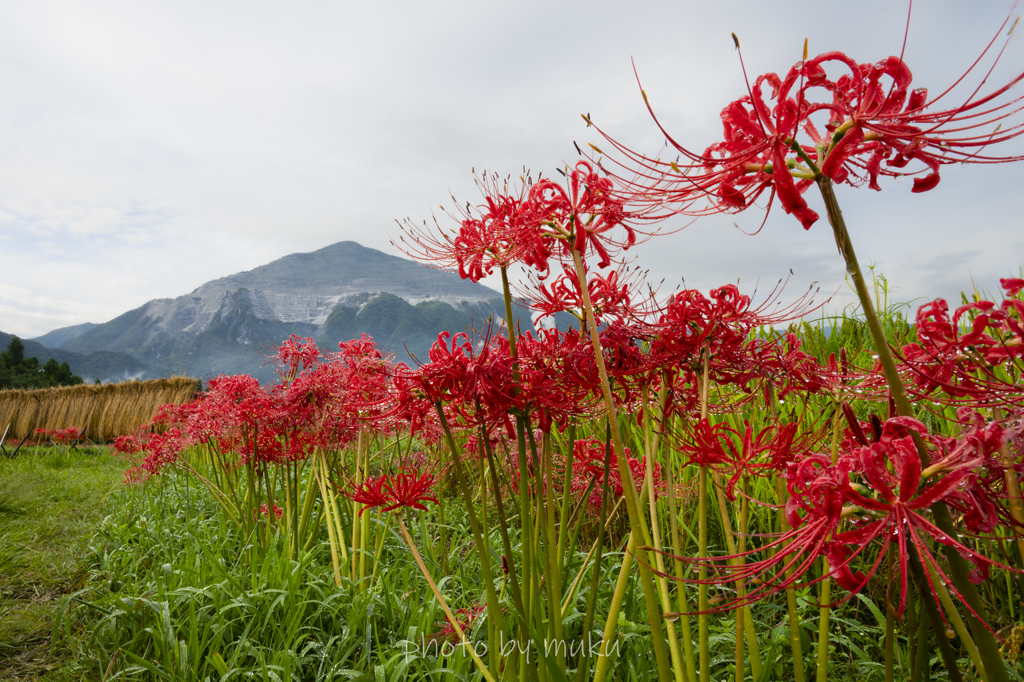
<point>231,325</point>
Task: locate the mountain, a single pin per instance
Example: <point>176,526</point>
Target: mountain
<point>105,366</point>
<point>231,325</point>
<point>58,337</point>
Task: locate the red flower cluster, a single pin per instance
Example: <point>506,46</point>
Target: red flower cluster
<point>588,467</point>
<point>264,512</point>
<point>881,488</point>
<point>321,401</point>
<point>875,125</point>
<point>529,225</point>
<point>409,488</point>
<point>59,436</point>
<point>962,355</point>
<point>466,618</point>
<point>742,453</point>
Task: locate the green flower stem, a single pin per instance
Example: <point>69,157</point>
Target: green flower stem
<point>309,497</point>
<point>1013,496</point>
<point>356,516</point>
<point>703,641</point>
<point>595,577</point>
<point>730,539</point>
<point>796,648</point>
<point>826,598</point>
<point>483,552</point>
<point>955,619</point>
<point>959,568</point>
<point>702,575</point>
<point>826,581</point>
<point>547,561</point>
<point>730,542</point>
<point>563,522</point>
<point>920,669</point>
<point>890,623</point>
<point>651,447</point>
<point>677,544</point>
<point>531,605</point>
<point>635,511</point>
<point>612,624</point>
<point>933,617</point>
<point>502,523</point>
<point>335,529</point>
<point>467,645</point>
<point>570,596</point>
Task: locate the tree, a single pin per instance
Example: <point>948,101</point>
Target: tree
<point>17,371</point>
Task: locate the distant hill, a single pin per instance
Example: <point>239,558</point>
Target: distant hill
<point>231,325</point>
<point>58,337</point>
<point>106,366</point>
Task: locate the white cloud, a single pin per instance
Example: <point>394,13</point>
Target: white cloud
<point>150,148</point>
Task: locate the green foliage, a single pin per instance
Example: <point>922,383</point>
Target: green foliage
<point>17,371</point>
<point>51,500</point>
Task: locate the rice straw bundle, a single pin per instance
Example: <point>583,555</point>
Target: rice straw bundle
<point>100,412</point>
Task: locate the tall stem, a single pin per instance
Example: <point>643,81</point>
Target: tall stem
<point>612,624</point>
<point>662,583</point>
<point>469,646</point>
<point>677,545</point>
<point>703,640</point>
<point>633,508</point>
<point>527,544</point>
<point>588,620</point>
<point>482,545</point>
<point>959,568</point>
<point>826,580</point>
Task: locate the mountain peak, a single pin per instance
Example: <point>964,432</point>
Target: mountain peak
<point>224,324</point>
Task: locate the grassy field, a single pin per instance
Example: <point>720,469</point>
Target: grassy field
<point>51,501</point>
<point>162,587</point>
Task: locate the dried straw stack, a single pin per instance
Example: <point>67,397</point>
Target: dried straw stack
<point>100,412</point>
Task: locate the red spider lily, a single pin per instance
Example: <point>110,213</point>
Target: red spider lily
<point>789,370</point>
<point>902,491</point>
<point>408,488</point>
<point>297,354</point>
<point>478,382</point>
<point>264,511</point>
<point>588,463</point>
<point>466,618</point>
<point>691,325</point>
<point>584,213</point>
<point>159,451</point>
<point>411,402</point>
<point>558,376</point>
<point>883,491</point>
<point>875,119</point>
<point>739,454</point>
<point>958,355</point>
<point>734,173</point>
<point>60,436</point>
<point>877,126</point>
<point>611,295</point>
<point>502,231</point>
<point>1012,285</point>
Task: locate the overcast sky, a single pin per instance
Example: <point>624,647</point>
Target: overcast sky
<point>146,148</point>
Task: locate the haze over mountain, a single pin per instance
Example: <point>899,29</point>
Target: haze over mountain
<point>230,325</point>
<point>58,337</point>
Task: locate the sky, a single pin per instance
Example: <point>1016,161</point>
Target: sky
<point>147,148</point>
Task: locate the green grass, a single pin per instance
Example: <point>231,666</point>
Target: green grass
<point>151,582</point>
<point>51,502</point>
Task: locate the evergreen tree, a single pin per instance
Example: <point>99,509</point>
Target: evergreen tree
<point>17,371</point>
